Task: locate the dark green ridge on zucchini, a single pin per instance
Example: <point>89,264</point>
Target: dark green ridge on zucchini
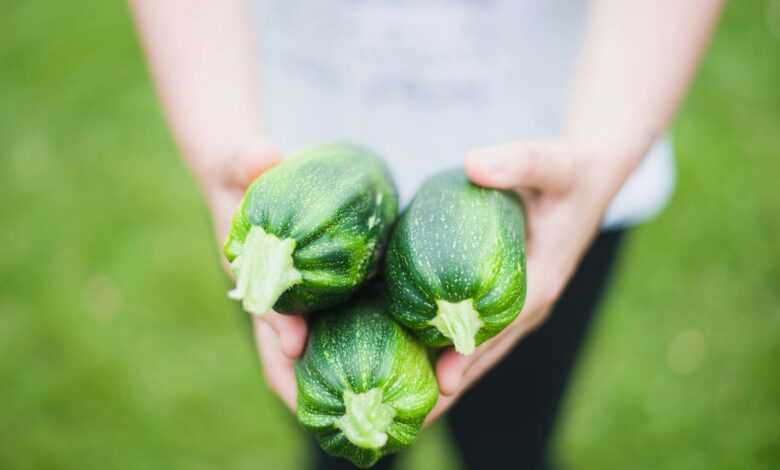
<point>316,224</point>
<point>455,265</point>
<point>365,384</point>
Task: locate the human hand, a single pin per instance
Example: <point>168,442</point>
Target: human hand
<point>280,339</point>
<point>565,188</point>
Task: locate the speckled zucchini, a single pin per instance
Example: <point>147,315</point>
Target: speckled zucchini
<point>455,264</point>
<point>365,384</point>
<point>310,231</point>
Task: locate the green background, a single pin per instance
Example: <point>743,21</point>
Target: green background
<point>119,349</point>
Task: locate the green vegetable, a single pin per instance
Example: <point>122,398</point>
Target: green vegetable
<point>309,231</point>
<point>365,384</point>
<point>455,264</point>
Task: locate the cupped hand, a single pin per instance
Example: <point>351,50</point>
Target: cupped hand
<point>565,189</point>
<point>280,339</point>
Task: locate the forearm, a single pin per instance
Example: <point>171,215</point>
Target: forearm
<point>202,59</point>
<point>636,63</point>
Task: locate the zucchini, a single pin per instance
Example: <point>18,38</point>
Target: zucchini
<point>364,383</point>
<point>310,230</point>
<point>455,264</point>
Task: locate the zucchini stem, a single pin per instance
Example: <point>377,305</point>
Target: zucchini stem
<point>366,419</point>
<point>459,322</point>
<point>264,270</point>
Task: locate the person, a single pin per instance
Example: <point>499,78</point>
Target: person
<point>565,102</point>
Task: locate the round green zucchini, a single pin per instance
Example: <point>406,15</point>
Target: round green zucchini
<point>455,265</point>
<point>310,230</point>
<point>365,384</point>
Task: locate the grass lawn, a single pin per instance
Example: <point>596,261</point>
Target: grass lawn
<point>119,349</point>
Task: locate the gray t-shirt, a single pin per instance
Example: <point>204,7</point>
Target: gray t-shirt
<point>424,81</point>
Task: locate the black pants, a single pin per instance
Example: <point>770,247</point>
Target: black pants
<point>506,420</point>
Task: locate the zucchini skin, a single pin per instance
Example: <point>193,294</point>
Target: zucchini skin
<point>337,202</point>
<point>354,348</point>
<point>457,241</point>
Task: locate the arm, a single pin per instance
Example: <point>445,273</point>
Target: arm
<point>202,59</point>
<point>634,69</point>
<point>635,66</point>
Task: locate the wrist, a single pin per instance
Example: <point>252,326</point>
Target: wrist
<point>617,147</point>
<point>608,162</point>
<point>602,169</point>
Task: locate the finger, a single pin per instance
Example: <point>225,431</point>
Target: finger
<point>450,368</point>
<point>454,372</point>
<point>541,166</point>
<point>492,352</point>
<point>277,368</point>
<point>291,331</point>
<point>442,405</point>
<point>248,163</point>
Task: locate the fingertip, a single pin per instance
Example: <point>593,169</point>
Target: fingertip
<point>293,337</point>
<point>260,159</point>
<point>250,162</point>
<point>449,371</point>
<point>290,330</point>
<point>472,158</point>
<point>476,168</point>
<point>488,168</point>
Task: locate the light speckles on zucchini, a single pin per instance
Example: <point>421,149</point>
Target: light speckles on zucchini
<point>332,206</point>
<point>455,265</point>
<point>365,384</point>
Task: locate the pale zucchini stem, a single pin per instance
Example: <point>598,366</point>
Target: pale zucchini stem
<point>264,270</point>
<point>459,322</point>
<point>366,419</point>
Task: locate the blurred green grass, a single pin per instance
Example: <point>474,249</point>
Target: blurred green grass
<point>118,347</point>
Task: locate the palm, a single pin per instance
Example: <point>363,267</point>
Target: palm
<point>563,211</point>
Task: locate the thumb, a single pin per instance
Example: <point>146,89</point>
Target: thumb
<point>533,165</point>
